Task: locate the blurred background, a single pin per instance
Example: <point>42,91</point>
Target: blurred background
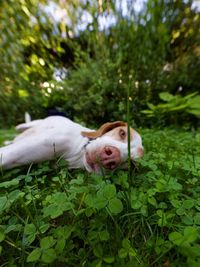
<point>81,57</point>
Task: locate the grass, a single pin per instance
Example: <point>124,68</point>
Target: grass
<point>6,135</point>
<point>52,217</point>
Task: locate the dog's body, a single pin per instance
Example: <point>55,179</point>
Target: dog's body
<point>81,147</point>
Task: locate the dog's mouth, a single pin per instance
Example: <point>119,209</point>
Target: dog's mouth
<point>107,157</point>
<point>94,167</point>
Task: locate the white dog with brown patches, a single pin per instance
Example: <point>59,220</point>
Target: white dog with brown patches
<point>56,136</point>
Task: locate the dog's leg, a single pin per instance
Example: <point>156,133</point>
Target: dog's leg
<point>24,126</point>
<point>26,151</point>
<point>21,129</point>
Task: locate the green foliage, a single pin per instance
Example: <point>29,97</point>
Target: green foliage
<point>52,216</point>
<point>6,135</point>
<point>175,106</point>
<point>151,51</point>
<point>95,88</point>
<point>26,59</point>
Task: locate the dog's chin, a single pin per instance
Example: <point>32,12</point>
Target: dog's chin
<point>92,166</point>
<point>95,168</point>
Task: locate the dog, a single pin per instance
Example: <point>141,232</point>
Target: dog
<point>81,147</point>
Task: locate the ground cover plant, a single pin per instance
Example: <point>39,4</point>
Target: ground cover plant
<point>52,217</point>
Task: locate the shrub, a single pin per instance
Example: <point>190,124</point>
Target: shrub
<point>175,107</point>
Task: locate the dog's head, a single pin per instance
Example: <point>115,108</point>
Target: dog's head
<point>108,148</point>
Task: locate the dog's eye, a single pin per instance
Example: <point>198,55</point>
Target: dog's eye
<point>122,133</point>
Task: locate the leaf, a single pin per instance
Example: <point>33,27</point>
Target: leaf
<point>44,227</point>
<point>115,205</point>
<point>197,218</point>
<point>97,263</point>
<point>180,211</point>
<point>188,220</point>
<point>175,34</point>
<point>126,243</point>
<point>98,251</point>
<point>60,245</point>
<point>3,203</point>
<point>13,227</point>
<point>190,234</point>
<point>176,238</point>
<point>195,112</point>
<point>152,201</point>
<point>47,242</point>
<point>109,259</point>
<point>136,204</point>
<point>55,210</point>
<point>104,235</point>
<point>194,250</point>
<point>2,235</point>
<point>58,204</point>
<point>30,229</point>
<point>97,202</point>
<point>78,181</point>
<point>30,232</point>
<point>100,202</point>
<point>174,184</point>
<point>109,191</point>
<point>122,253</point>
<point>78,190</point>
<point>48,255</point>
<point>193,262</point>
<point>34,255</point>
<point>175,203</point>
<point>193,97</point>
<point>134,195</point>
<point>188,203</point>
<point>179,107</point>
<point>165,96</point>
<point>89,200</point>
<point>132,252</point>
<point>8,184</point>
<point>151,106</point>
<point>149,113</point>
<point>63,232</point>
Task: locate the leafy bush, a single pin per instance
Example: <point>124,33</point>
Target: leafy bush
<point>50,216</point>
<point>175,107</point>
<point>157,46</point>
<point>97,93</point>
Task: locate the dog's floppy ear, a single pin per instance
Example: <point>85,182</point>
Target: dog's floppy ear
<point>106,127</point>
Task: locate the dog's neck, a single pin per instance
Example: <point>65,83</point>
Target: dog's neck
<point>76,156</point>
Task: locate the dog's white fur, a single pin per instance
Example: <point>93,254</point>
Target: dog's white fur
<point>56,136</point>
